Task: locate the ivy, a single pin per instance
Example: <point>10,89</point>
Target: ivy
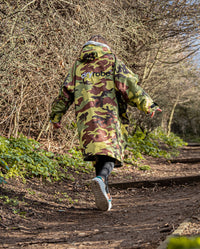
<point>23,157</point>
<point>143,143</point>
<point>184,243</point>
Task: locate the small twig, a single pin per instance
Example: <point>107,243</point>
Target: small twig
<point>15,21</point>
<point>3,225</point>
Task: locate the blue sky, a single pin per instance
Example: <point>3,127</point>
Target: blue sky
<point>197,58</point>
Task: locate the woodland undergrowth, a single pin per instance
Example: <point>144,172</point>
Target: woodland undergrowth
<point>26,158</point>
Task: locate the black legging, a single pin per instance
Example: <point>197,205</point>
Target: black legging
<point>103,166</point>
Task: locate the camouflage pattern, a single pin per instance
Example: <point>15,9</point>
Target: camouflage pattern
<point>101,87</point>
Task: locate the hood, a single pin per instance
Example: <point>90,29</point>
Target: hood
<point>92,50</point>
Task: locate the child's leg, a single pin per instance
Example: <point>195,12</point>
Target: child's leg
<point>104,167</point>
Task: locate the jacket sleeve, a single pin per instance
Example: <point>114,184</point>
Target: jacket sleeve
<point>65,98</point>
<point>126,83</point>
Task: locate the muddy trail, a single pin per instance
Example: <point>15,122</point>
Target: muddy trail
<point>34,215</point>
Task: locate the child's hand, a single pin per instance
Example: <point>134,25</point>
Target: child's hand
<point>152,109</point>
<point>56,125</point>
<point>153,113</point>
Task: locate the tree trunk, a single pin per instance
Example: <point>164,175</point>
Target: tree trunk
<point>164,122</point>
<point>171,116</point>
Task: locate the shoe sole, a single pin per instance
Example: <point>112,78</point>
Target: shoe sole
<point>101,200</point>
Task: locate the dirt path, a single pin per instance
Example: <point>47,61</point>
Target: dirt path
<point>140,217</point>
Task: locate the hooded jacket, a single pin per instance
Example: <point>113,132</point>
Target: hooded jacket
<point>101,87</point>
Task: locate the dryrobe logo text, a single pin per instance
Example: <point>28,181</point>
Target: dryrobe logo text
<point>90,74</point>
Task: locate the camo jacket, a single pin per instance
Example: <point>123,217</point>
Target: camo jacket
<point>101,87</point>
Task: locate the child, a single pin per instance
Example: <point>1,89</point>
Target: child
<point>101,87</point>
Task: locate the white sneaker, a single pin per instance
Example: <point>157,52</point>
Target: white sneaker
<point>102,200</point>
